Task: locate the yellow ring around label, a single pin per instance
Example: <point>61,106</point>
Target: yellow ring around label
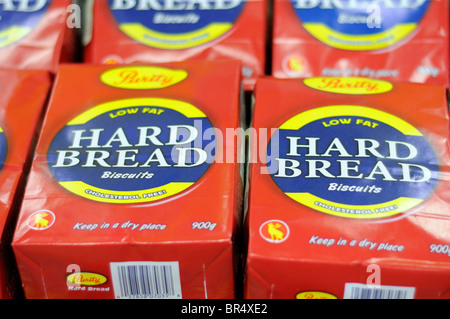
<point>184,108</point>
<point>362,42</point>
<point>13,34</point>
<point>299,120</point>
<point>110,196</point>
<point>174,41</point>
<point>386,209</point>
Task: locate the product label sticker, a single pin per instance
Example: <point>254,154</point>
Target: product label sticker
<point>360,24</point>
<point>352,161</point>
<point>19,18</point>
<point>175,25</point>
<point>133,150</point>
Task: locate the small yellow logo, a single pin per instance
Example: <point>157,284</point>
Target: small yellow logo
<point>295,65</point>
<point>274,231</point>
<point>142,77</point>
<point>350,85</point>
<point>41,220</point>
<point>314,295</point>
<point>86,279</point>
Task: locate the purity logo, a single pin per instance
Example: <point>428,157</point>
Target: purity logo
<point>142,77</point>
<point>86,279</point>
<point>314,295</point>
<point>329,153</point>
<point>82,281</point>
<point>348,85</point>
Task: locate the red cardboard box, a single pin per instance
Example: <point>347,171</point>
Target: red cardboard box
<point>141,31</point>
<point>393,40</point>
<point>22,102</point>
<point>37,34</point>
<point>131,182</point>
<point>349,198</point>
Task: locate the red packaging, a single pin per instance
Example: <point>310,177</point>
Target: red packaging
<point>393,40</point>
<point>140,31</point>
<point>23,98</point>
<point>348,194</point>
<point>37,34</point>
<point>162,196</point>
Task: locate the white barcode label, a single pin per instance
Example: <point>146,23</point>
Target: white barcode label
<point>362,291</point>
<point>146,280</point>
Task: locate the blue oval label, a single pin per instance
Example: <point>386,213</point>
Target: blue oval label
<point>19,18</point>
<point>352,161</point>
<point>171,25</point>
<point>360,24</point>
<point>132,151</point>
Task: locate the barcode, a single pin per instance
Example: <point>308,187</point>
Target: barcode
<point>362,291</point>
<point>146,280</point>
